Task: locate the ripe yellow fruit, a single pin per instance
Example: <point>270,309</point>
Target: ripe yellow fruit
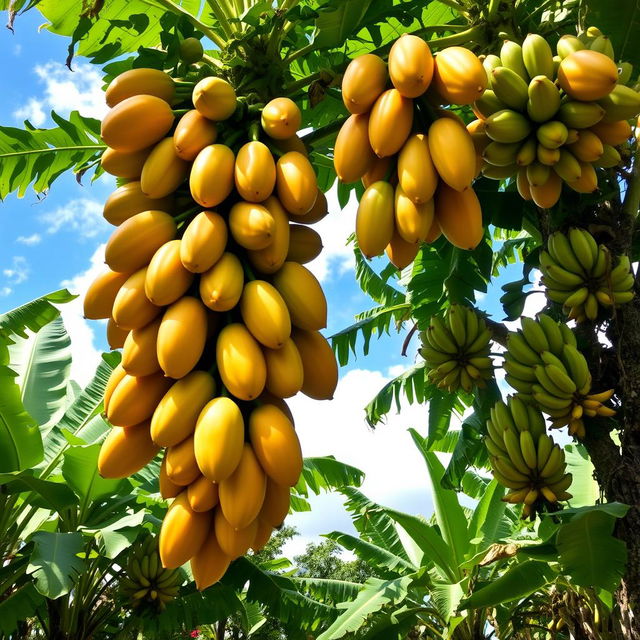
<point>128,200</point>
<point>175,417</point>
<point>435,232</point>
<point>132,245</point>
<point>275,508</point>
<point>114,380</point>
<point>281,118</point>
<point>319,210</point>
<point>587,75</point>
<point>612,133</point>
<point>221,286</point>
<point>137,82</point>
<point>131,308</point>
<point>458,76</point>
<point>183,532</point>
<point>522,184</point>
<point>163,171</point>
<point>275,444</point>
<point>272,257</point>
<point>115,335</point>
<point>263,534</point>
<point>400,252</point>
<point>588,147</point>
<point>303,295</point>
<point>319,364</point>
<point>363,81</point>
<point>124,164</point>
<point>214,98</point>
<point>240,362</point>
<point>459,216</point>
<point>255,172</point>
<point>210,563</point>
<point>412,221</point>
<point>202,494</point>
<point>294,143</point>
<point>233,542</point>
<point>211,179</point>
<point>588,180</point>
<point>136,123</point>
<point>265,314</point>
<point>167,279</point>
<point>416,172</point>
<point>453,153</point>
<point>390,123</point>
<point>374,220</point>
<point>182,336</point>
<point>193,133</point>
<point>139,353</point>
<point>126,451</point>
<point>296,183</point>
<point>99,298</point>
<point>135,398</point>
<point>251,225</point>
<point>410,65</point>
<point>219,438</point>
<point>284,370</point>
<point>203,241</point>
<point>181,465</point>
<point>278,402</point>
<point>547,194</point>
<point>167,488</point>
<point>352,153</point>
<point>305,244</point>
<point>242,493</point>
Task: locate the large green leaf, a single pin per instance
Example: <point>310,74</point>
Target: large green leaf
<point>584,488</point>
<point>487,516</point>
<point>327,590</point>
<point>339,22</point>
<point>23,603</point>
<point>52,495</point>
<point>325,474</point>
<point>446,597</point>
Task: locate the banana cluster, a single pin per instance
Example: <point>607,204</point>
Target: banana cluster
<point>147,583</point>
<point>544,366</point>
<point>578,274</point>
<point>456,349</point>
<point>552,119</point>
<point>524,457</point>
<point>218,320</point>
<point>415,161</point>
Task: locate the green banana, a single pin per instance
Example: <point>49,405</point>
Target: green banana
<point>548,385</point>
<point>560,274</point>
<point>493,448</point>
<point>602,44</point>
<point>621,104</point>
<point>568,166</point>
<point>562,253</point>
<point>519,370</point>
<point>507,126</point>
<point>625,69</point>
<point>549,357</point>
<point>522,386</point>
<point>568,44</point>
<point>503,417</point>
<point>602,263</point>
<point>528,449</point>
<point>489,104</point>
<point>489,63</point>
<point>534,335</point>
<point>501,154</point>
<point>578,297</point>
<point>472,327</point>
<point>481,342</point>
<point>519,413</point>
<point>510,484</point>
<point>584,247</point>
<point>439,336</point>
<point>560,379</point>
<point>537,174</point>
<point>552,134</point>
<point>527,152</point>
<point>580,115</point>
<point>537,424</point>
<point>537,56</point>
<point>547,156</point>
<point>552,332</point>
<point>543,99</point>
<point>545,399</point>
<point>510,88</point>
<point>554,462</point>
<point>591,307</point>
<point>568,335</point>
<point>512,57</point>
<point>576,365</point>
<point>610,157</point>
<point>545,446</point>
<point>512,442</point>
<point>457,325</point>
<point>518,347</point>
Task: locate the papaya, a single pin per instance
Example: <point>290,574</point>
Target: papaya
<point>612,133</point>
<point>276,504</point>
<point>352,153</point>
<point>131,308</point>
<point>588,147</point>
<point>193,133</point>
<point>379,170</point>
<point>214,98</point>
<point>458,76</point>
<point>434,233</point>
<point>132,245</point>
<point>135,82</point>
<point>115,335</point>
<point>275,444</point>
<point>547,194</point>
<point>400,252</point>
<point>168,489</point>
<point>621,104</point>
<point>167,279</point>
<point>182,468</point>
<point>128,200</point>
<point>139,353</point>
<point>374,220</point>
<point>452,152</point>
<point>202,494</point>
<point>135,398</point>
<point>242,493</point>
<point>294,143</point>
<point>183,532</point>
<point>459,216</point>
<point>99,298</point>
<point>221,286</point>
<point>219,438</point>
<point>175,417</point>
<point>251,225</point>
<point>255,172</point>
<point>416,172</point>
<point>305,244</point>
<point>318,363</point>
<point>303,296</point>
<point>234,542</point>
<point>587,75</point>
<point>114,380</point>
<point>588,180</point>
<point>263,534</point>
<point>410,65</point>
<point>265,314</point>
<point>523,186</point>
<point>318,212</point>
<point>124,164</point>
<point>412,221</point>
<point>163,171</point>
<point>364,80</point>
<point>210,563</point>
<point>182,336</point>
<point>240,362</point>
<point>136,123</point>
<point>126,451</point>
<point>284,370</point>
<point>211,179</point>
<point>390,123</point>
<point>203,242</point>
<point>296,183</point>
<point>273,256</point>
<point>281,118</point>
<point>269,398</point>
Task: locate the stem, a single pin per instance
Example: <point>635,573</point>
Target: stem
<point>492,9</point>
<point>229,11</point>
<point>214,61</point>
<point>220,15</point>
<point>285,5</point>
<point>97,147</point>
<point>452,4</point>
<point>300,52</point>
<point>294,87</point>
<point>324,132</point>
<point>632,197</point>
<point>212,35</point>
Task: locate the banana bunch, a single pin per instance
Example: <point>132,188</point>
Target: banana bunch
<point>207,294</point>
<point>578,274</point>
<point>401,148</point>
<point>147,584</point>
<point>543,364</point>
<point>456,349</point>
<point>524,457</point>
<point>548,120</point>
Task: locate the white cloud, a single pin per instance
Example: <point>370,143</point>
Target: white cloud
<point>33,239</point>
<point>81,215</point>
<point>18,272</point>
<point>17,50</point>
<point>5,291</point>
<point>32,111</point>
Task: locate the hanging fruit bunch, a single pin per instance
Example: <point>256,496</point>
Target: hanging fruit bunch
<point>416,161</point>
<point>549,119</point>
<point>217,317</point>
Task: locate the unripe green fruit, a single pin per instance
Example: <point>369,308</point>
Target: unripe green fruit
<point>191,50</point>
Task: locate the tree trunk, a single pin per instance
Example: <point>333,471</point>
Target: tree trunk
<point>220,629</point>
